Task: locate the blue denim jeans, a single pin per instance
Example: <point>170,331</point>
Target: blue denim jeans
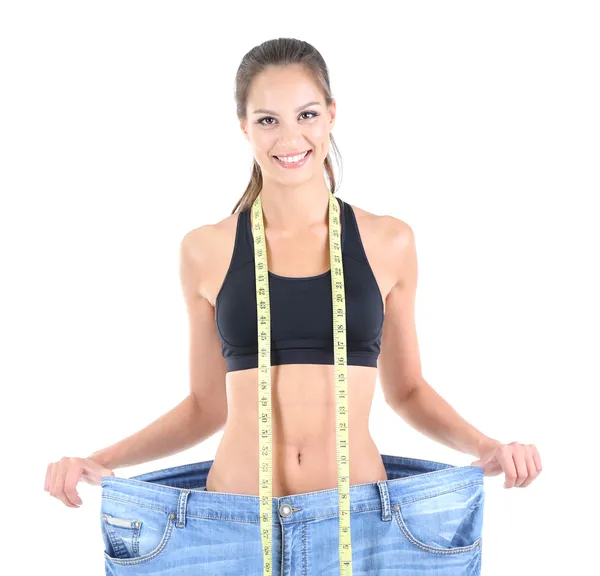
<point>425,519</point>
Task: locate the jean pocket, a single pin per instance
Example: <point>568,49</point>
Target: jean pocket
<point>446,523</point>
<point>134,534</point>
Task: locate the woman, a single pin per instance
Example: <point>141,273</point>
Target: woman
<point>204,518</point>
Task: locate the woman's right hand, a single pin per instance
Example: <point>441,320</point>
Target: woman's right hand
<point>63,476</point>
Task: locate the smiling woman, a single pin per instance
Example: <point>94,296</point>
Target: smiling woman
<point>281,490</point>
<point>297,302</point>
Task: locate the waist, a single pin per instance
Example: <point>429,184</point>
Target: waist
<point>303,432</point>
<point>303,401</point>
<point>409,480</point>
<point>296,469</point>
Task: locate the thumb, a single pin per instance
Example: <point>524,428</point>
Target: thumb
<point>482,461</point>
<point>93,472</point>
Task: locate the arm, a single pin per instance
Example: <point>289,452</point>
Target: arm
<point>404,388</point>
<point>204,411</point>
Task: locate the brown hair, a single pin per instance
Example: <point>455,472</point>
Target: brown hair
<point>280,52</point>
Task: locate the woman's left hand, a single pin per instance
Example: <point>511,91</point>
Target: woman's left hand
<point>521,463</point>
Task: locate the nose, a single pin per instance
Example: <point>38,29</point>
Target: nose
<point>290,136</point>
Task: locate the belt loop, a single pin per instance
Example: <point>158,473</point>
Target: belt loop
<point>386,514</point>
<point>182,507</point>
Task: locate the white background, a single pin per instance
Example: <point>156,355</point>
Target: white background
<point>476,123</point>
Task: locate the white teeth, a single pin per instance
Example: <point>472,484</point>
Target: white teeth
<point>292,158</point>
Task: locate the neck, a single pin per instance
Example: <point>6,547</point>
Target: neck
<point>295,209</point>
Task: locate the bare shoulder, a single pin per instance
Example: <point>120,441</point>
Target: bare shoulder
<point>205,252</point>
<point>199,242</point>
<point>388,232</point>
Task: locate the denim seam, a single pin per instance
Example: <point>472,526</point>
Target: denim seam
<point>325,516</point>
<point>148,486</point>
<point>425,547</point>
<point>205,517</point>
<point>182,508</point>
<point>136,539</point>
<point>430,473</point>
<point>140,485</point>
<point>132,561</point>
<point>116,545</point>
<point>157,508</point>
<point>304,556</point>
<point>136,503</point>
<point>282,548</point>
<point>440,493</point>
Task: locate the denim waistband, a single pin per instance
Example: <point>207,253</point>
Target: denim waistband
<point>182,490</point>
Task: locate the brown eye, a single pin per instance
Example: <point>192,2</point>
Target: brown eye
<point>265,118</point>
<point>262,120</point>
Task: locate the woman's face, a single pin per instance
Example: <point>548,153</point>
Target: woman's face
<point>286,114</point>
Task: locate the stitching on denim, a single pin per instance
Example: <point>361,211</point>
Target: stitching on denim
<point>181,509</point>
<point>325,516</point>
<point>116,541</point>
<point>304,555</point>
<point>385,501</point>
<point>133,561</point>
<point>428,462</point>
<point>136,538</point>
<point>140,486</point>
<point>425,547</point>
<point>423,474</point>
<point>440,493</point>
<point>139,477</point>
<point>136,503</point>
<point>149,486</point>
<point>113,542</point>
<point>243,520</point>
<point>288,521</point>
<point>282,546</point>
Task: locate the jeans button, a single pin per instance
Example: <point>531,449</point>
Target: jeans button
<point>285,510</point>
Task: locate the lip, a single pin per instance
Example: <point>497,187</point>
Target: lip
<point>290,154</point>
<point>294,165</point>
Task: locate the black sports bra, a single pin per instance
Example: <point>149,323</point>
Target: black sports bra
<point>301,309</point>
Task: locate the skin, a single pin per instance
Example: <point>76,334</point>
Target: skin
<point>295,208</point>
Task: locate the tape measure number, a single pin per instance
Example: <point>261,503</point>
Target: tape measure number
<point>263,315</point>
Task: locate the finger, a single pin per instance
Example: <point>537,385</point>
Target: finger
<point>95,471</point>
<point>519,458</point>
<point>59,482</point>
<point>71,479</point>
<point>531,470</point>
<point>505,457</point>
<point>48,477</point>
<point>53,474</point>
<point>536,458</point>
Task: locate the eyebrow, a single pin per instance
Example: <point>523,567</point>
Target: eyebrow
<point>264,111</point>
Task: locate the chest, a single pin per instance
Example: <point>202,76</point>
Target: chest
<point>301,307</point>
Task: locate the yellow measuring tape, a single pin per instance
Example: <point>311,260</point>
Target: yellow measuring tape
<point>263,313</point>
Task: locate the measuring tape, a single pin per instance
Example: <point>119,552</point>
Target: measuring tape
<point>263,314</point>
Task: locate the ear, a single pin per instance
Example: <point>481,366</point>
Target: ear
<point>332,114</point>
<point>244,128</point>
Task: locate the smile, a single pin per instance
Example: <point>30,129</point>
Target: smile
<point>293,161</point>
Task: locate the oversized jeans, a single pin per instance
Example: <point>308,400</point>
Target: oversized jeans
<point>425,520</point>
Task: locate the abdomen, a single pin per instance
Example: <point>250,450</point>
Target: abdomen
<point>303,431</point>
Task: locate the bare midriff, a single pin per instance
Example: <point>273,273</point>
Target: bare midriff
<point>303,431</point>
